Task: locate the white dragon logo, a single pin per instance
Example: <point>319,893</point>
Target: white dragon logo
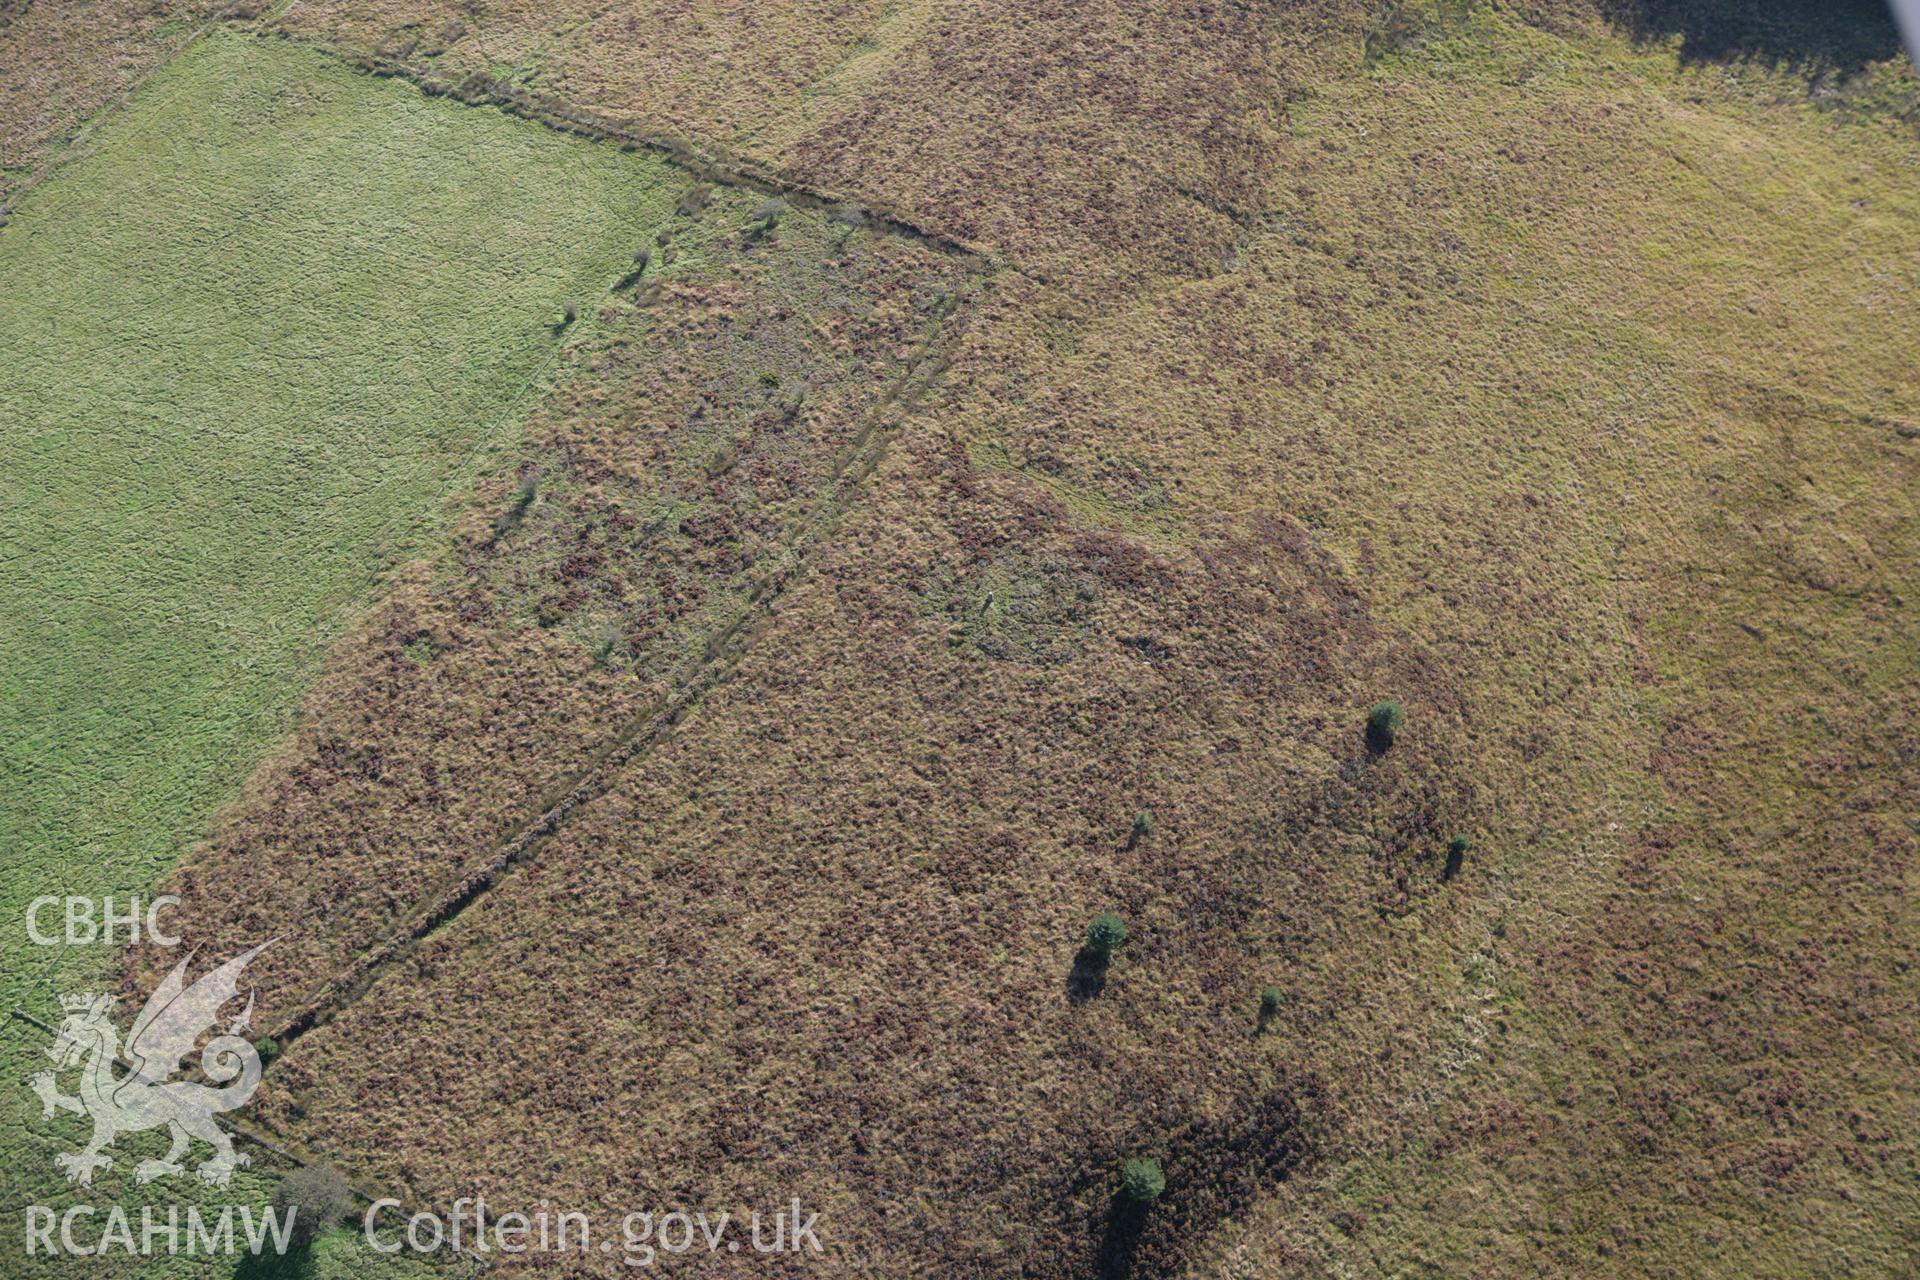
<point>167,1029</point>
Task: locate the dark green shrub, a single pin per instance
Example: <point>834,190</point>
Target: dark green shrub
<point>1270,1001</point>
<point>1142,825</point>
<point>1457,850</point>
<point>317,1196</point>
<point>1106,934</point>
<point>641,261</point>
<point>268,1048</point>
<point>768,215</point>
<point>606,650</point>
<point>792,403</point>
<point>1383,724</point>
<point>522,499</point>
<point>690,204</point>
<point>1141,1180</point>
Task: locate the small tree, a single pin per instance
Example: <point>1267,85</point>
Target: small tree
<point>1142,1181</point>
<point>768,215</point>
<point>641,260</point>
<point>1142,825</point>
<point>1457,850</point>
<point>523,497</point>
<point>690,204</point>
<point>606,649</point>
<point>1106,934</point>
<point>317,1196</point>
<point>1383,724</point>
<point>1270,1002</point>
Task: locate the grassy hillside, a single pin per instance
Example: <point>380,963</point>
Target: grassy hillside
<point>723,805</point>
<point>253,340</point>
<point>1610,411</point>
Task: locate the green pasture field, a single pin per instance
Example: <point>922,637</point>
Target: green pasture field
<point>251,342</point>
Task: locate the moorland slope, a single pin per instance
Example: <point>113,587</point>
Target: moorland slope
<point>1019,525</point>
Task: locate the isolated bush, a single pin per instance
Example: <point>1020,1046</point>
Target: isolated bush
<point>1270,1001</point>
<point>768,215</point>
<point>1142,825</point>
<point>268,1048</point>
<point>641,261</point>
<point>607,648</point>
<point>690,204</point>
<point>1383,724</point>
<point>522,499</point>
<point>1457,850</point>
<point>792,403</point>
<point>318,1197</point>
<point>1141,1180</point>
<point>1106,934</point>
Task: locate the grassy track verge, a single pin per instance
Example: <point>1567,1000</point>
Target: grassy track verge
<point>248,346</point>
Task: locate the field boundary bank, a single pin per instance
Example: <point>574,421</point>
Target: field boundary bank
<point>721,648</point>
<point>705,162</point>
<point>724,646</point>
<point>719,654</point>
<point>225,15</point>
<point>237,19</point>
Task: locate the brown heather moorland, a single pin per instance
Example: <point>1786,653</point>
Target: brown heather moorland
<point>696,440</point>
<point>1547,370</point>
<point>63,61</point>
